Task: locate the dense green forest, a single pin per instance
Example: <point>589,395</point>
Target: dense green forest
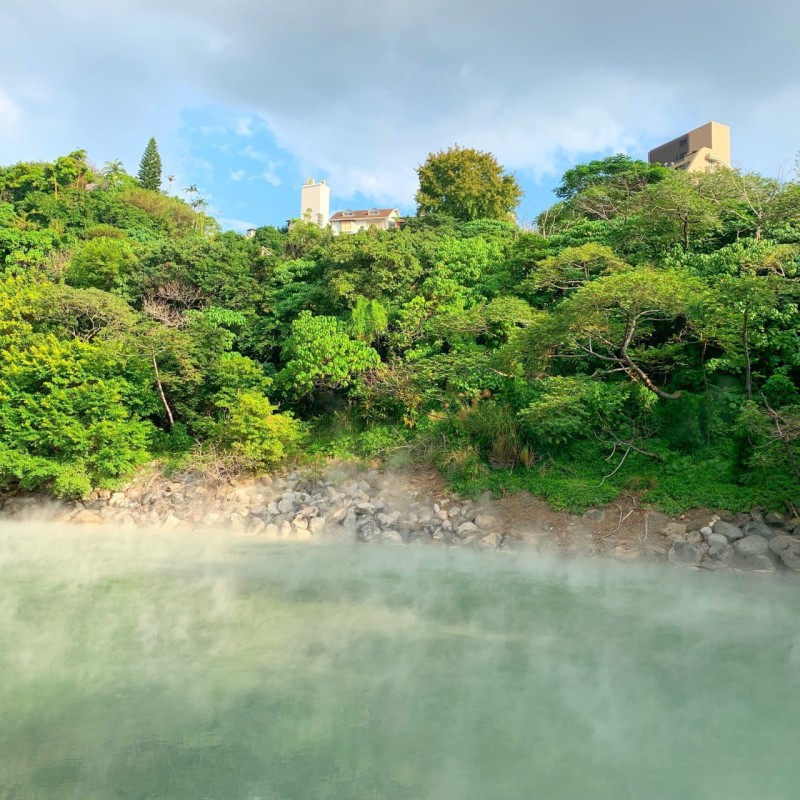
<point>644,339</point>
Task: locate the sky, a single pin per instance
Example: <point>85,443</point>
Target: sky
<point>247,98</point>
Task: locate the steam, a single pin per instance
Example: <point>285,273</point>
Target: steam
<point>218,666</point>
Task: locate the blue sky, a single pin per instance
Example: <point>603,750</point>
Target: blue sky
<point>248,98</point>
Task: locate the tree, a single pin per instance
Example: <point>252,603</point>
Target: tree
<point>620,174</point>
<point>150,167</point>
<point>466,184</point>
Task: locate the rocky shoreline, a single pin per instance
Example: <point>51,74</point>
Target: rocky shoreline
<point>414,508</point>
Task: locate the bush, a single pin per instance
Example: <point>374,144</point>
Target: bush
<point>253,431</point>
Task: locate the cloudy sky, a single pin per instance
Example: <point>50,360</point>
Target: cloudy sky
<point>246,98</point>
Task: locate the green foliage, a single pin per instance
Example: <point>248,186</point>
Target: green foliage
<point>466,184</point>
<point>320,353</point>
<point>149,174</point>
<point>644,339</point>
<point>253,430</point>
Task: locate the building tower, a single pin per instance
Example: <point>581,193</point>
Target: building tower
<point>701,150</point>
<point>315,203</point>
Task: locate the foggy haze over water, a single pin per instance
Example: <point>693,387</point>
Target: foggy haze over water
<point>164,666</point>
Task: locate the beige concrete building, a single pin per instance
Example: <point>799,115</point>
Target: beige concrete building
<point>354,221</point>
<point>700,150</point>
<point>315,203</point>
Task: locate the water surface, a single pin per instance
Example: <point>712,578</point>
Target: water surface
<point>139,666</point>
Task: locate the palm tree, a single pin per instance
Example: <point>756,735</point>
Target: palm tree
<point>191,190</point>
<point>113,171</point>
<point>171,179</point>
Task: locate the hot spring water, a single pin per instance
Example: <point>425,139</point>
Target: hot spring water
<point>139,666</point>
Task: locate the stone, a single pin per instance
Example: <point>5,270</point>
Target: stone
<point>695,537</point>
<point>485,521</point>
<point>367,529</point>
<point>255,526</point>
<point>391,537</point>
<point>171,521</point>
<point>300,524</point>
<point>104,494</point>
<point>721,551</point>
<point>316,524</point>
<point>87,517</point>
<point>775,519</point>
<point>752,546</point>
<point>309,511</point>
<point>758,528</point>
<point>698,523</point>
<point>118,500</point>
<point>285,506</point>
<point>741,519</point>
<point>793,525</point>
<point>728,530</point>
<point>272,531</point>
<point>595,514</point>
<point>716,538</point>
<point>685,553</point>
<point>491,541</point>
<point>466,528</point>
<point>787,548</point>
<point>707,533</point>
<point>758,563</point>
<point>272,508</point>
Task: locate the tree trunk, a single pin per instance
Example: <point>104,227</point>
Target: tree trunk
<point>748,374</point>
<point>161,392</point>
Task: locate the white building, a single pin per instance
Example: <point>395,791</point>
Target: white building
<point>354,221</point>
<point>315,203</point>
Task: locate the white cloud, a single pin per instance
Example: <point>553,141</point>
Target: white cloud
<point>362,98</point>
<point>237,175</point>
<point>271,177</point>
<point>239,225</point>
<point>244,126</point>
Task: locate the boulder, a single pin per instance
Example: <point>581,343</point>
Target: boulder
<point>787,548</point>
<point>721,551</point>
<point>595,514</point>
<point>285,506</point>
<point>728,530</point>
<point>698,523</point>
<point>466,528</point>
<point>775,519</point>
<point>752,546</point>
<point>391,537</point>
<point>485,521</point>
<point>673,529</point>
<point>491,541</point>
<point>761,564</point>
<point>758,528</point>
<point>685,553</point>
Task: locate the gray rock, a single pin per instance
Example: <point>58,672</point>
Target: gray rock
<point>698,523</point>
<point>729,531</point>
<point>596,514</point>
<point>707,533</point>
<point>272,531</point>
<point>286,505</point>
<point>752,546</point>
<point>758,528</point>
<point>775,519</point>
<point>793,525</point>
<point>695,537</point>
<point>491,541</point>
<point>685,553</point>
<point>466,528</point>
<point>391,537</point>
<point>367,529</point>
<point>716,538</point>
<point>721,551</point>
<point>485,521</point>
<point>787,548</point>
<point>758,563</point>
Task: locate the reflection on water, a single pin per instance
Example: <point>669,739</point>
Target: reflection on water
<point>146,666</point>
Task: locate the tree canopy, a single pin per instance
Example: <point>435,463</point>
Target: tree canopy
<point>645,339</point>
<point>466,184</point>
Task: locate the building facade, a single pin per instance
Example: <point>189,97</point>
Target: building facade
<point>700,150</point>
<point>315,203</point>
<point>354,221</point>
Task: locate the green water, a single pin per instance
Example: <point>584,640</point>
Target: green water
<point>140,667</point>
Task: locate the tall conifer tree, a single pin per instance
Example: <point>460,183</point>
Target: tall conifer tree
<point>150,167</point>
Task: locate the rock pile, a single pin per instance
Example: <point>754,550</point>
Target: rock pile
<point>367,508</point>
<point>751,542</point>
